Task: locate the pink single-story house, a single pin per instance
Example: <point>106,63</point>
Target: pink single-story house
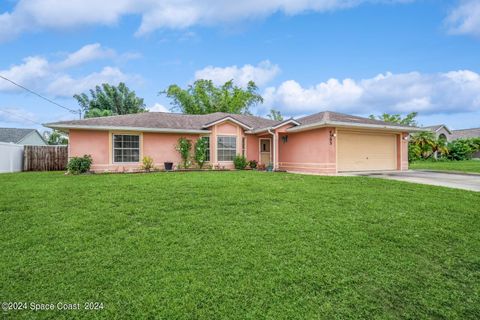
<point>325,142</point>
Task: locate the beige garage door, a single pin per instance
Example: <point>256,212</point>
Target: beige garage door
<point>358,151</point>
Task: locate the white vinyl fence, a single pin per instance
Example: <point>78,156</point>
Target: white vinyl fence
<point>11,157</point>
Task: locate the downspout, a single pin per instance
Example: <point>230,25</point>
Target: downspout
<point>269,130</point>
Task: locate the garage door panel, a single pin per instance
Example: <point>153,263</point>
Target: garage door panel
<point>365,151</point>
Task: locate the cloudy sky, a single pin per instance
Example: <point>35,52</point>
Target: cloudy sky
<point>352,56</point>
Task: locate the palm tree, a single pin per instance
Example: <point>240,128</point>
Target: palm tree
<point>425,143</point>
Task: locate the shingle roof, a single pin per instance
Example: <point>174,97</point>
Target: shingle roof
<point>13,135</point>
<point>166,120</point>
<point>177,121</point>
<point>329,116</point>
<point>437,127</point>
<point>466,133</point>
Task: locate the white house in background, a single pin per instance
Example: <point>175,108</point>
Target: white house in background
<point>22,136</point>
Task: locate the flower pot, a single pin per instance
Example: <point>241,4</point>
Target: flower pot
<point>168,166</point>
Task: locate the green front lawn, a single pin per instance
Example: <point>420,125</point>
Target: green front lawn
<point>463,166</point>
<point>255,245</point>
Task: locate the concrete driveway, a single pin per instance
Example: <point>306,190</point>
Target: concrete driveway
<point>452,180</point>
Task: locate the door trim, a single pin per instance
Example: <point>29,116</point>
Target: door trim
<point>260,149</point>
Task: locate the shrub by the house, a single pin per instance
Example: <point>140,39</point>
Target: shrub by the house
<point>77,165</point>
<point>200,152</point>
<point>147,163</point>
<point>462,149</point>
<point>240,162</point>
<point>183,147</point>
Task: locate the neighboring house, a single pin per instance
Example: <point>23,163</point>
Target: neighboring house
<point>468,133</point>
<point>326,142</point>
<point>22,136</point>
<point>441,131</point>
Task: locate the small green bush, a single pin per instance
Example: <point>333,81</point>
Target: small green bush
<point>183,147</point>
<point>77,165</point>
<point>147,163</point>
<point>253,164</point>
<point>461,149</point>
<point>200,152</point>
<point>240,162</point>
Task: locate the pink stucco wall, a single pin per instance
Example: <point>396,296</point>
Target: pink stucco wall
<point>308,151</point>
<point>225,128</point>
<point>159,146</point>
<point>252,147</point>
<point>94,143</point>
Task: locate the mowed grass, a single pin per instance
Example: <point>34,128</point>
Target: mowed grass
<point>461,166</point>
<point>238,245</point>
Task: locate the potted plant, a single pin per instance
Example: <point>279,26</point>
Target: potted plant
<point>168,166</point>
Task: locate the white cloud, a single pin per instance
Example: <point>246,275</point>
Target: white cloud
<point>40,74</point>
<point>465,18</point>
<point>87,53</point>
<point>157,107</point>
<point>450,92</point>
<point>261,74</point>
<point>33,15</point>
<point>29,73</point>
<point>67,86</point>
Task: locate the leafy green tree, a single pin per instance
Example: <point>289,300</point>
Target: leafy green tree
<point>200,152</point>
<point>203,97</point>
<point>55,138</point>
<point>107,100</point>
<point>275,115</point>
<point>408,120</point>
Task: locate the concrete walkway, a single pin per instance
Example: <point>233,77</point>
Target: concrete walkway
<point>452,180</point>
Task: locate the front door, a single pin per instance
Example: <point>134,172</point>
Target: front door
<point>265,154</point>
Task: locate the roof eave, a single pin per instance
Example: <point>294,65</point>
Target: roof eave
<point>281,124</point>
<point>227,118</point>
<point>121,128</point>
<point>322,124</point>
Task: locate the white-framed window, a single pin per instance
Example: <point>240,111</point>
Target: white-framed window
<point>244,144</point>
<point>207,149</point>
<point>226,148</point>
<point>126,148</point>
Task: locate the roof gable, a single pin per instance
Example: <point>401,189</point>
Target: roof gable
<point>14,135</point>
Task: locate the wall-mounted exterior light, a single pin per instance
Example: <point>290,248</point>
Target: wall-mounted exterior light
<point>284,139</point>
<point>332,135</point>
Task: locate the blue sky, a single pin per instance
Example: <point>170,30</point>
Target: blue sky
<point>353,56</point>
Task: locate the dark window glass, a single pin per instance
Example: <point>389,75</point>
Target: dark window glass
<point>226,148</point>
<point>126,148</point>
<point>207,149</point>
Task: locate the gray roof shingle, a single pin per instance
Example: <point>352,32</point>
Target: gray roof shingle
<point>466,133</point>
<point>178,121</point>
<point>168,120</point>
<point>13,135</point>
<point>328,116</point>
